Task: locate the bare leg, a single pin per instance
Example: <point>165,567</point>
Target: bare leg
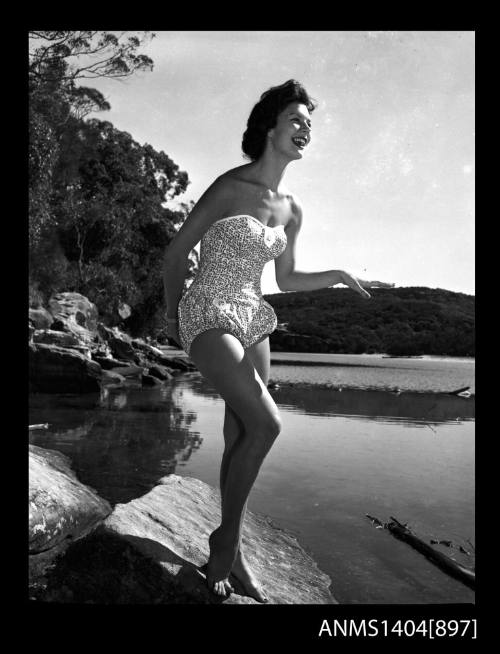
<point>221,358</point>
<point>233,431</point>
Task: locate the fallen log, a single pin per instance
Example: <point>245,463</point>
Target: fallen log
<point>454,569</point>
<point>459,390</point>
<point>448,565</point>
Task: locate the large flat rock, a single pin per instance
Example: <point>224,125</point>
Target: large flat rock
<point>61,509</point>
<point>169,526</point>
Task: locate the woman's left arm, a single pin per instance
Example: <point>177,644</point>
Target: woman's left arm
<point>289,279</point>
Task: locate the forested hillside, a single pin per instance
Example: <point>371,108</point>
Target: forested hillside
<point>398,321</point>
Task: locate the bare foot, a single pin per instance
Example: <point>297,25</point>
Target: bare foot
<point>245,576</point>
<point>222,555</point>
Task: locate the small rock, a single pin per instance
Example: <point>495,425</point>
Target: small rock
<point>161,372</point>
<point>149,380</point>
<point>129,371</point>
<point>110,377</point>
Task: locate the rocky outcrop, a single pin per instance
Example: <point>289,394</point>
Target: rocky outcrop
<point>40,318</point>
<point>151,549</point>
<point>73,312</point>
<point>72,354</point>
<point>61,509</point>
<point>52,337</point>
<point>108,363</point>
<point>119,344</point>
<point>53,369</point>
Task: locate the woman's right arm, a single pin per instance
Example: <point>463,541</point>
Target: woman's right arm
<point>175,262</point>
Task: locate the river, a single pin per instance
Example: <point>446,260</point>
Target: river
<point>354,449</point>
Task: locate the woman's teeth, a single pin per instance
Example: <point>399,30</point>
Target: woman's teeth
<point>299,141</point>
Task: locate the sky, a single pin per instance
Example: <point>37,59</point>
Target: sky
<point>387,183</point>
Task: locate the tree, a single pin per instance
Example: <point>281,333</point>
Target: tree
<point>96,53</point>
<point>98,199</point>
<point>113,224</point>
<point>57,60</point>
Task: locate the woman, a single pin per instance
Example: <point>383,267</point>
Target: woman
<point>244,219</point>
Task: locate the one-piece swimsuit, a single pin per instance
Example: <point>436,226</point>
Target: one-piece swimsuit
<point>226,291</point>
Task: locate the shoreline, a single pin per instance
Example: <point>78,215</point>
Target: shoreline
<point>273,383</point>
<point>170,350</point>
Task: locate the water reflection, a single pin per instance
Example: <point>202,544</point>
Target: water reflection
<point>412,408</point>
<point>122,441</point>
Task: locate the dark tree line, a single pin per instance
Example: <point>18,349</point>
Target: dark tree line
<point>98,223</point>
<point>398,321</point>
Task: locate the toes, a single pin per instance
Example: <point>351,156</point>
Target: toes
<point>219,588</point>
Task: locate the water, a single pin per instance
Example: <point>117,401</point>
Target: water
<point>370,371</point>
<point>340,455</point>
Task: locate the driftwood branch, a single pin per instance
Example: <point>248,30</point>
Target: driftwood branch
<point>448,565</point>
<point>459,390</point>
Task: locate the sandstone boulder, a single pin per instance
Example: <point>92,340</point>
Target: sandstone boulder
<point>120,344</point>
<point>41,318</point>
<point>52,337</point>
<point>76,314</point>
<point>161,372</point>
<point>61,509</point>
<point>53,369</point>
<point>150,550</point>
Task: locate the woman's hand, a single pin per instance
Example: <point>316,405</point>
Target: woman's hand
<point>173,332</point>
<point>359,285</point>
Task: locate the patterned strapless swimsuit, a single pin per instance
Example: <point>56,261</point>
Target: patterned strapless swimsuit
<point>226,291</point>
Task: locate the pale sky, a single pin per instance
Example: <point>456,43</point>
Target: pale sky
<point>387,183</point>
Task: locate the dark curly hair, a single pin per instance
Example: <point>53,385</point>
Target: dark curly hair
<point>264,115</point>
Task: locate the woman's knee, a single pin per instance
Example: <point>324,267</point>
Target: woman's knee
<point>263,428</point>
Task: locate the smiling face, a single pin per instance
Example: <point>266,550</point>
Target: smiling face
<point>292,132</point>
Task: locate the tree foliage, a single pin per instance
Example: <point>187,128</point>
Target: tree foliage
<point>399,321</point>
<point>98,219</point>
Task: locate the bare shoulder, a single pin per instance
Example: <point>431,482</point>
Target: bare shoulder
<point>237,174</point>
<point>294,221</point>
